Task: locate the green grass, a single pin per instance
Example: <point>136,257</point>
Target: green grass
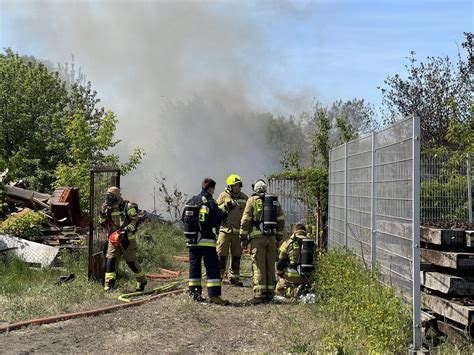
<point>27,292</point>
<point>361,314</point>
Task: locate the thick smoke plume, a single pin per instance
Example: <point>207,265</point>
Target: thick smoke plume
<point>188,81</point>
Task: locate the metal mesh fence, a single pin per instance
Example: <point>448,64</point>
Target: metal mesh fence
<point>100,181</point>
<point>446,189</point>
<point>374,205</point>
<point>291,203</point>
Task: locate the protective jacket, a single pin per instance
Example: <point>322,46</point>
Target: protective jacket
<point>123,215</point>
<point>289,257</point>
<point>253,215</point>
<point>232,214</point>
<point>210,217</point>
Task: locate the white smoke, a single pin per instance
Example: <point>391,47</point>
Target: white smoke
<point>187,80</point>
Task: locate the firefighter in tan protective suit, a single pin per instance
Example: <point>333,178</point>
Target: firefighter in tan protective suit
<point>120,218</point>
<point>262,226</point>
<point>292,270</point>
<point>232,203</point>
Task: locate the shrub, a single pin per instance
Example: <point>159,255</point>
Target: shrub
<point>25,224</point>
<point>363,315</point>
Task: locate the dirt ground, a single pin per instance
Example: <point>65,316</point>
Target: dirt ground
<point>178,325</point>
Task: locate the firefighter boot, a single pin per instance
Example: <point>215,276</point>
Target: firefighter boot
<point>140,286</point>
<point>219,301</point>
<point>109,285</point>
<point>255,301</point>
<point>235,282</point>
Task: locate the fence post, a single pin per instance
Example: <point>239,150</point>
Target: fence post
<point>91,225</point>
<point>469,187</point>
<point>373,244</point>
<point>346,241</point>
<point>416,234</point>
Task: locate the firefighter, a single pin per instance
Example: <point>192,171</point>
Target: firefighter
<point>203,246</point>
<point>120,218</point>
<point>294,267</point>
<point>262,227</point>
<point>232,203</point>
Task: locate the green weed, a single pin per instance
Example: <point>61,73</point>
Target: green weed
<point>362,314</point>
<point>27,292</point>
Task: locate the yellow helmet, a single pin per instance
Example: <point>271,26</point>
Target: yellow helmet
<point>234,179</point>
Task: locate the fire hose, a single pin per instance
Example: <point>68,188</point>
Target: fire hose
<point>157,293</point>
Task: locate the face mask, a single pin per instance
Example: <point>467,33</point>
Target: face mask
<point>235,188</point>
<point>109,198</point>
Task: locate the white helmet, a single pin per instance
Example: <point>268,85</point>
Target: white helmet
<point>259,186</point>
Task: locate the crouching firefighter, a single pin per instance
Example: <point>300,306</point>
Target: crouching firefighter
<point>262,226</point>
<point>121,219</point>
<point>200,216</point>
<point>295,263</point>
<point>232,203</point>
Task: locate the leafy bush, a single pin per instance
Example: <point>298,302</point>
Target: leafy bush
<point>25,224</point>
<point>362,314</point>
<point>158,244</point>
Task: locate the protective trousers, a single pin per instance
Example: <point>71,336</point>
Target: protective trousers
<point>211,263</point>
<point>130,255</point>
<point>263,253</point>
<point>289,289</point>
<point>224,242</point>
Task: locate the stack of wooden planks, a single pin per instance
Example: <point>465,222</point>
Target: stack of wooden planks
<point>447,279</point>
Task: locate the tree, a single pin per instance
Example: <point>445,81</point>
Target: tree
<point>33,106</point>
<point>320,139</point>
<point>427,92</point>
<point>89,147</point>
<point>52,131</point>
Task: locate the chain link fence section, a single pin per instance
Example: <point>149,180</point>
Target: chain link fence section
<point>292,205</point>
<point>100,181</point>
<point>446,190</point>
<point>374,202</point>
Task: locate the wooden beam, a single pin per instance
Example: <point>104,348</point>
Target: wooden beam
<point>448,284</point>
<point>455,335</point>
<point>453,260</point>
<point>447,237</point>
<point>470,239</point>
<point>452,310</point>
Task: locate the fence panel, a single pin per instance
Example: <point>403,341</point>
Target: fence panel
<point>446,190</point>
<point>292,205</point>
<point>374,193</point>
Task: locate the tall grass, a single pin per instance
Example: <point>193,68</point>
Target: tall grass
<point>362,315</point>
<point>27,292</point>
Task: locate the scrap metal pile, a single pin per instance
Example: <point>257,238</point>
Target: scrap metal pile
<point>66,227</point>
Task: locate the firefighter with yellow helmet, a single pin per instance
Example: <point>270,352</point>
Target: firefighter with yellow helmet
<point>232,203</point>
<point>120,218</point>
<point>262,227</point>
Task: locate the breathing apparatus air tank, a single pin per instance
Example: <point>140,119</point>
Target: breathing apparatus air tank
<point>306,265</point>
<point>191,222</point>
<point>270,209</point>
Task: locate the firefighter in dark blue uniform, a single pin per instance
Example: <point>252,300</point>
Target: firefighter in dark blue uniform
<point>205,246</point>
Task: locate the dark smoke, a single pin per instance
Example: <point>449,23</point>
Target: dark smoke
<point>188,80</point>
